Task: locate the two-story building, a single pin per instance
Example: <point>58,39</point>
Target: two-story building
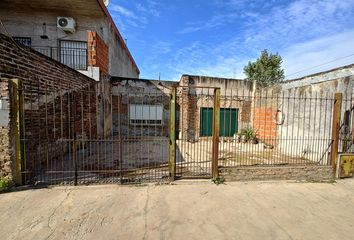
<point>80,34</point>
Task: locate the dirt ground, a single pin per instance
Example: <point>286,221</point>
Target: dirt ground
<point>184,210</point>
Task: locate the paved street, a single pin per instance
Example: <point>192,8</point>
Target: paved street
<point>185,210</point>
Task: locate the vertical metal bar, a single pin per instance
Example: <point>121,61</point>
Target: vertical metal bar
<point>23,136</point>
<point>216,132</point>
<point>335,128</point>
<point>15,107</point>
<point>74,136</point>
<point>120,160</point>
<point>83,152</point>
<point>46,128</point>
<point>172,134</point>
<point>61,131</point>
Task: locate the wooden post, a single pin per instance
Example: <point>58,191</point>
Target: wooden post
<point>15,110</point>
<point>172,123</point>
<point>216,133</point>
<point>335,128</point>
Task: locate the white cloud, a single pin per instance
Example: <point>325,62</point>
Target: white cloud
<point>305,33</point>
<point>138,19</point>
<point>324,51</point>
<point>151,7</point>
<point>123,11</point>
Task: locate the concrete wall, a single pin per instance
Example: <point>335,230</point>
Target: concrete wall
<point>23,23</point>
<point>308,113</point>
<point>301,173</point>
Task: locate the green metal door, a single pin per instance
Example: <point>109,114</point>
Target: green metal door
<point>206,122</point>
<point>228,122</point>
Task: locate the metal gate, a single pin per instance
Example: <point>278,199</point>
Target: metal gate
<point>89,134</point>
<point>195,140</point>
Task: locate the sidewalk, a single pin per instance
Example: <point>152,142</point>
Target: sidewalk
<point>185,210</point>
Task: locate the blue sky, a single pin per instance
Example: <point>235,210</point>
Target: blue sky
<point>219,37</point>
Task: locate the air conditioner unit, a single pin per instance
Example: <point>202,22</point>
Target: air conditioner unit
<point>67,24</point>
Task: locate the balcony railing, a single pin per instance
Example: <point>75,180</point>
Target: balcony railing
<point>75,58</point>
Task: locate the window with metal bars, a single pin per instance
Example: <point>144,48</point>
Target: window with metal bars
<point>141,114</point>
<point>23,40</point>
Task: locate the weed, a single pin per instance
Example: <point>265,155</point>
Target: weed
<point>219,180</point>
<point>5,184</point>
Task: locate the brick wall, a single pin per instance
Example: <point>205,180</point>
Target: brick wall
<point>58,102</point>
<point>97,52</point>
<point>264,123</point>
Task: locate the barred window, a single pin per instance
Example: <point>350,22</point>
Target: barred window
<point>23,40</point>
<point>145,114</point>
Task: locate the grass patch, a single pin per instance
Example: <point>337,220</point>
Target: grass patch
<point>5,184</point>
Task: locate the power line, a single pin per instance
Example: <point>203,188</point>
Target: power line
<point>322,64</point>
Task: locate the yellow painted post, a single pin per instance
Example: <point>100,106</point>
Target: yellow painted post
<point>15,110</point>
<point>172,123</point>
<point>335,128</point>
<point>216,133</point>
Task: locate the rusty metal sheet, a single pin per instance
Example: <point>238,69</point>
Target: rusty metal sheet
<point>346,165</point>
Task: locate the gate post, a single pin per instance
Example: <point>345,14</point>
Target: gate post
<point>337,107</point>
<point>172,123</point>
<point>15,109</point>
<point>216,132</point>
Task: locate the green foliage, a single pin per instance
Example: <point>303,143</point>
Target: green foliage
<point>249,133</point>
<point>219,180</point>
<point>5,183</point>
<point>266,70</point>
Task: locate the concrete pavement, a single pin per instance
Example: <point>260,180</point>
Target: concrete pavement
<point>185,210</point>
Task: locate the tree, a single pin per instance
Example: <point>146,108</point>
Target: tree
<point>266,70</point>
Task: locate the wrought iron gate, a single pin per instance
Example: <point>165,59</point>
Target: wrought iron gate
<point>89,134</point>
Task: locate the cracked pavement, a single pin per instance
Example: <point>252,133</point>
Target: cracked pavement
<point>183,210</point>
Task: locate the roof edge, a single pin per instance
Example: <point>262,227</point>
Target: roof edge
<point>204,76</point>
<point>106,12</point>
<point>320,73</point>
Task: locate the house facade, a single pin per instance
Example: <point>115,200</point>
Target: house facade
<point>80,34</point>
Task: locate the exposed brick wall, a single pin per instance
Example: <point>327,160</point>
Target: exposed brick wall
<point>52,93</point>
<point>246,111</point>
<point>264,123</point>
<point>97,52</point>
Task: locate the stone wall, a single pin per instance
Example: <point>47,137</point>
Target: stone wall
<point>51,94</point>
<point>6,157</point>
<point>300,173</point>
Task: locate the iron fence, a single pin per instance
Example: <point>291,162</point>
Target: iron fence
<point>88,134</point>
<point>194,123</point>
<point>346,132</point>
<point>96,133</point>
<point>276,128</point>
<point>74,57</point>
